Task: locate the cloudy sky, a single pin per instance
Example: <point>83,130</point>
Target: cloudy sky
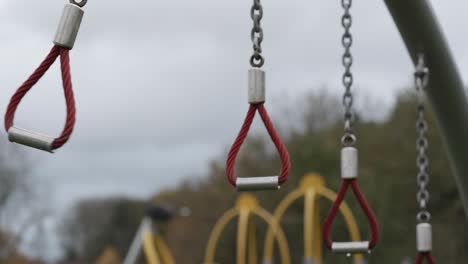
<point>161,85</point>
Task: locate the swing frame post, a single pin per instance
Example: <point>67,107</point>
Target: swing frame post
<point>421,33</point>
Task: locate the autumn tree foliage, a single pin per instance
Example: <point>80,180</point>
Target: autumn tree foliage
<point>312,134</point>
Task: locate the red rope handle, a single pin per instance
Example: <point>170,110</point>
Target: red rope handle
<point>283,152</point>
<point>336,206</point>
<point>426,255</point>
<point>55,52</point>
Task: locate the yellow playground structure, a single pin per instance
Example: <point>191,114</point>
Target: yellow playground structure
<point>311,189</point>
<point>246,209</point>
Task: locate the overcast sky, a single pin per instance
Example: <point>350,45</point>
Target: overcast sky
<point>161,85</point>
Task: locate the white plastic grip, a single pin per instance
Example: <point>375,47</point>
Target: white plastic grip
<point>256,92</point>
<point>349,163</point>
<point>350,247</point>
<point>69,26</point>
<point>30,139</point>
<point>244,184</point>
<point>424,237</point>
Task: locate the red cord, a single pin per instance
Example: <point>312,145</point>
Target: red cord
<point>426,255</point>
<point>283,152</point>
<point>67,87</point>
<point>365,206</point>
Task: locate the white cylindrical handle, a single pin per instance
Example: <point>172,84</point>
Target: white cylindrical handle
<point>424,237</point>
<point>30,139</point>
<point>349,163</point>
<point>350,247</point>
<point>257,183</point>
<point>256,86</point>
<point>69,26</point>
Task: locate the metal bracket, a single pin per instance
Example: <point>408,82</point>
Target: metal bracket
<point>256,86</point>
<point>69,26</point>
<point>424,237</point>
<point>349,163</point>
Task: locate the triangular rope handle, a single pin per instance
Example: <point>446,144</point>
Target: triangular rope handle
<point>350,247</point>
<point>32,139</point>
<point>256,183</point>
<point>425,255</point>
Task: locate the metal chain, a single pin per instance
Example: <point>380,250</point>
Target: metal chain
<point>421,76</point>
<point>349,138</point>
<point>256,35</point>
<point>80,3</point>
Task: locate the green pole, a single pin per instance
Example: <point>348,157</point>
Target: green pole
<point>421,32</point>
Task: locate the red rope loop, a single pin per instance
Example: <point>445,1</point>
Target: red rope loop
<point>283,152</point>
<point>15,100</point>
<point>365,206</point>
<point>425,255</point>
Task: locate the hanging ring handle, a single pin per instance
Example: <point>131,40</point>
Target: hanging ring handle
<point>33,139</point>
<point>256,101</point>
<point>64,41</point>
<point>349,160</point>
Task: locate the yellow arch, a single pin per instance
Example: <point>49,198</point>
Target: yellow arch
<point>252,246</point>
<point>155,249</point>
<point>216,234</point>
<point>242,227</point>
<point>246,208</point>
<point>148,248</point>
<point>312,188</point>
<point>164,251</point>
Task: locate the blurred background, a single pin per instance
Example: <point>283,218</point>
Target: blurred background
<point>160,89</point>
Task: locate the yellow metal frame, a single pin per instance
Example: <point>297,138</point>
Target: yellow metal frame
<point>246,209</point>
<point>311,188</point>
<point>156,250</point>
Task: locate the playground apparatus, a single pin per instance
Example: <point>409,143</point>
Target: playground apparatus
<point>311,189</point>
<point>422,36</point>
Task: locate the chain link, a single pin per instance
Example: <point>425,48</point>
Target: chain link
<point>80,3</point>
<point>256,35</point>
<point>421,77</point>
<point>349,138</point>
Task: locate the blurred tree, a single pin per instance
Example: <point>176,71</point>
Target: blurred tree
<point>21,202</point>
<point>387,176</point>
<point>95,224</point>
